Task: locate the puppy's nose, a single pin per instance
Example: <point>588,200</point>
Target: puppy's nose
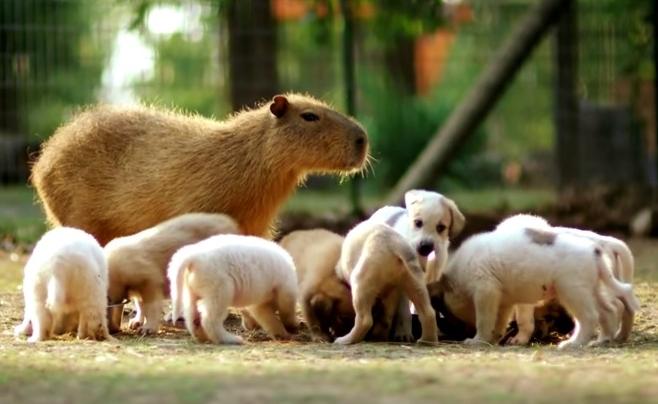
<point>425,248</point>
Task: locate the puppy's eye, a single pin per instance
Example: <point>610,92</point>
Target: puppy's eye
<point>440,228</point>
<point>418,223</point>
<point>310,117</point>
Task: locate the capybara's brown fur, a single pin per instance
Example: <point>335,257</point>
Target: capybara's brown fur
<point>114,171</point>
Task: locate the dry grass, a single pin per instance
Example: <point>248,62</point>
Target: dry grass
<point>171,368</point>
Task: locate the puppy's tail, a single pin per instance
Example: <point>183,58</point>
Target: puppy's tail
<point>180,262</point>
<point>624,262</point>
<point>623,291</point>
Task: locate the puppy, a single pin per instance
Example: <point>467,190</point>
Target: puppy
<point>379,263</point>
<point>428,223</point>
<point>492,272</point>
<point>326,300</point>
<point>66,276</point>
<point>623,269</point>
<point>138,263</point>
<point>236,271</point>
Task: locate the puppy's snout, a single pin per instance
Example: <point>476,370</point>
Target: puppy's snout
<point>425,248</point>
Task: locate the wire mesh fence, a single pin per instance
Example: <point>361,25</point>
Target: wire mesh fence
<point>413,64</point>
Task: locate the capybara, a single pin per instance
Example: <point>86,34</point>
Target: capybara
<point>237,271</point>
<point>66,276</point>
<point>137,264</point>
<point>117,170</point>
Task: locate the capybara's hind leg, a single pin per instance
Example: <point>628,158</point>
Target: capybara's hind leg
<point>265,316</point>
<point>214,310</point>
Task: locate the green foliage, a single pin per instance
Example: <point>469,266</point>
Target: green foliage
<point>62,59</point>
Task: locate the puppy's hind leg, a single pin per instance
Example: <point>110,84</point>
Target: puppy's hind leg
<point>41,322</point>
<point>363,300</point>
<point>419,296</point>
<point>402,326</point>
<point>382,325</point>
<point>214,310</point>
<point>581,304</point>
<point>192,316</point>
<point>487,302</point>
<point>286,301</point>
<point>265,316</point>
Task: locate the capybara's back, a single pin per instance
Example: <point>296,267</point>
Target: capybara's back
<point>114,171</point>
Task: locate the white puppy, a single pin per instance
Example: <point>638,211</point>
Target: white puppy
<point>623,269</point>
<point>379,263</point>
<point>492,272</point>
<point>235,271</point>
<point>428,222</point>
<point>66,275</point>
<point>138,263</point>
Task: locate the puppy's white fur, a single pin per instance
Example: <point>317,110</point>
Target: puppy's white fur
<point>428,221</point>
<point>379,263</point>
<point>233,271</point>
<point>138,263</point>
<point>492,272</point>
<point>623,269</point>
<point>65,276</point>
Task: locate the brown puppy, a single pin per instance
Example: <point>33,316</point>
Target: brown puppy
<point>379,263</point>
<point>326,301</point>
<point>115,170</point>
<point>138,263</point>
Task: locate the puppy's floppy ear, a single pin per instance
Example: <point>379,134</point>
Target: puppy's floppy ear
<point>457,219</point>
<point>413,196</point>
<point>279,106</point>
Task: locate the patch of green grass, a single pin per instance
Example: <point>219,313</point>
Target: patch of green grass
<point>20,216</point>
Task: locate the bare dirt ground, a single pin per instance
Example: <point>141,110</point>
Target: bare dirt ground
<point>170,367</point>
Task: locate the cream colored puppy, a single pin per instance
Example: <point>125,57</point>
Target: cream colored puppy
<point>138,263</point>
<point>326,300</point>
<point>428,221</point>
<point>379,263</point>
<point>233,271</point>
<point>65,276</point>
<point>492,272</point>
<point>623,270</point>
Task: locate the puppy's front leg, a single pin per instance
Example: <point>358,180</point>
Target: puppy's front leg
<point>418,294</point>
<point>152,314</point>
<point>265,316</point>
<point>402,326</point>
<point>138,319</point>
<point>525,321</point>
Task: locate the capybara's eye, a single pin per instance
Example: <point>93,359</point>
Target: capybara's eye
<point>418,223</point>
<point>310,117</point>
<point>440,228</point>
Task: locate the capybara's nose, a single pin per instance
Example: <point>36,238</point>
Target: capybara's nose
<point>361,142</point>
<point>425,248</point>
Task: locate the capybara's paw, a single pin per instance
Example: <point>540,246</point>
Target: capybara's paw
<point>425,342</point>
<point>318,338</point>
<point>180,323</point>
<point>403,337</point>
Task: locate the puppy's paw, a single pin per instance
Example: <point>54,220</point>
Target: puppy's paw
<point>601,342</point>
<point>21,330</point>
<point>568,344</point>
<point>147,331</point>
<point>476,342</point>
<point>134,324</point>
<point>34,339</point>
<point>232,340</point>
<point>344,340</point>
<point>519,340</point>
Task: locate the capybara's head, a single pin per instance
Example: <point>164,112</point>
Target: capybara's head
<point>317,137</point>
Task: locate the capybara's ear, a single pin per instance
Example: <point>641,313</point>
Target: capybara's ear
<point>279,105</point>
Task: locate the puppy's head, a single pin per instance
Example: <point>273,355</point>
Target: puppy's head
<point>433,220</point>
